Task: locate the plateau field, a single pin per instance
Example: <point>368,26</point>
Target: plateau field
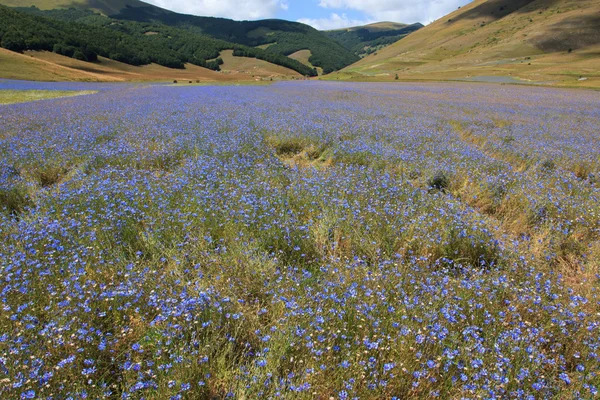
<point>300,240</point>
<point>200,208</point>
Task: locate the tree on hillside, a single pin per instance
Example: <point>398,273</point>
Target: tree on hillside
<point>13,41</point>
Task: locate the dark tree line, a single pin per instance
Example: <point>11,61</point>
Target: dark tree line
<point>275,58</point>
<point>85,36</point>
<point>285,37</point>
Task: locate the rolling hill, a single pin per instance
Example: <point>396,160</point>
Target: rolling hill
<point>368,39</point>
<point>282,37</point>
<point>535,41</point>
<point>89,37</point>
<point>105,7</point>
<point>52,67</point>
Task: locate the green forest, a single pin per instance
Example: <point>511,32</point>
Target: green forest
<point>149,34</point>
<point>84,35</point>
<point>285,37</point>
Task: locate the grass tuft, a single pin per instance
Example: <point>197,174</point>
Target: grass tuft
<point>16,199</point>
<point>439,181</point>
<point>48,175</point>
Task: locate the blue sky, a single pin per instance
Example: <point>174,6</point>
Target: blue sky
<point>322,14</point>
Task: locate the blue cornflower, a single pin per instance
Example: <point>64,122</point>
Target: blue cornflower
<point>565,378</point>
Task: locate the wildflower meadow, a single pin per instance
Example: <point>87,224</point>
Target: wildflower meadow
<point>301,240</point>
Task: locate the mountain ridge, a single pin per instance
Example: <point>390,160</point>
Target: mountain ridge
<point>283,37</point>
<point>368,39</point>
<point>382,25</point>
<point>539,41</point>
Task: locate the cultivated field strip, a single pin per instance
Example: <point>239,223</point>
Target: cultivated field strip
<point>300,240</point>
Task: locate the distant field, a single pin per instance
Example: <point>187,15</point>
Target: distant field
<point>23,96</point>
<point>47,66</point>
<point>303,56</point>
<point>300,240</point>
<point>252,68</point>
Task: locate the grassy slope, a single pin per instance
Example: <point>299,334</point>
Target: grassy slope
<point>45,66</point>
<point>290,36</point>
<point>527,40</point>
<point>106,7</point>
<point>376,27</point>
<point>251,68</point>
<point>20,66</point>
<point>23,96</point>
<point>303,56</point>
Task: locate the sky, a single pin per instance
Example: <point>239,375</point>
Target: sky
<point>322,14</point>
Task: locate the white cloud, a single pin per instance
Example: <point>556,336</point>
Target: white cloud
<point>335,21</point>
<point>408,11</point>
<point>234,9</point>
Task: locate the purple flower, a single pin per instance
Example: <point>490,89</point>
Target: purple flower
<point>565,378</point>
<point>30,394</point>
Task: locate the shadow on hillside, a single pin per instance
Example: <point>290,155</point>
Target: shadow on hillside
<point>571,33</point>
<point>497,9</point>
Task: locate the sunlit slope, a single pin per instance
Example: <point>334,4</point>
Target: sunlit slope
<point>304,57</point>
<point>282,37</point>
<point>253,69</point>
<point>46,66</point>
<point>550,41</point>
<point>107,7</point>
<point>375,27</point>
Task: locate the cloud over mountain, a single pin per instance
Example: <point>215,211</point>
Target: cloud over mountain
<point>408,11</point>
<point>235,9</point>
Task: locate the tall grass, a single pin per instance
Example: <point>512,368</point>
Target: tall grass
<point>269,242</point>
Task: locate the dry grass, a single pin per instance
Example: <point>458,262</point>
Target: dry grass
<point>46,66</point>
<point>528,45</point>
<point>23,96</point>
<point>303,56</point>
<point>377,26</point>
<point>300,152</point>
<point>252,68</point>
<point>104,7</point>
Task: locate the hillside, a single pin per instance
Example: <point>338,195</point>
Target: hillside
<point>368,39</point>
<point>86,36</point>
<point>538,41</point>
<point>304,57</point>
<point>285,37</point>
<point>48,66</point>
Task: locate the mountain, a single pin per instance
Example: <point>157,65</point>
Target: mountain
<point>542,41</point>
<point>368,39</point>
<point>274,36</point>
<point>278,36</point>
<point>86,36</point>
